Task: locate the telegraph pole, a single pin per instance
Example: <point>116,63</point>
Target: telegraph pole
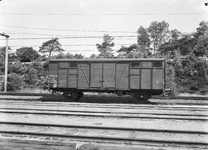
<point>6,62</point>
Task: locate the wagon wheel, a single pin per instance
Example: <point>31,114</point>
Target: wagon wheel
<point>70,95</point>
<point>141,97</point>
<point>80,95</point>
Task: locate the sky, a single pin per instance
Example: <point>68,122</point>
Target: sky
<point>81,24</point>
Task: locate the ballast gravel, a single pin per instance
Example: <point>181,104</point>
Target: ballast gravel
<point>107,98</point>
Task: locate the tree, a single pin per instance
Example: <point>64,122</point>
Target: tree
<point>196,43</point>
<point>184,45</point>
<point>105,48</point>
<point>68,56</point>
<point>201,46</point>
<point>3,50</point>
<point>34,74</point>
<point>51,46</point>
<point>143,40</point>
<point>27,54</point>
<point>158,32</point>
<point>78,56</point>
<point>175,34</point>
<point>93,56</point>
<point>126,50</point>
<point>59,56</point>
<point>133,51</point>
<point>202,30</point>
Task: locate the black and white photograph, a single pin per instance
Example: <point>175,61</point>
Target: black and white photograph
<point>103,74</point>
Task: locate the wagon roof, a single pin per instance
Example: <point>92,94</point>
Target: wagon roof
<point>106,60</point>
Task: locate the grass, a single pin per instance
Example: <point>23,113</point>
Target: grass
<point>38,91</point>
<point>33,90</point>
<point>191,95</point>
<point>27,92</point>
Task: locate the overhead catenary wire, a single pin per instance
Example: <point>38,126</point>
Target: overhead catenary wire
<point>12,26</point>
<point>75,45</point>
<point>50,36</point>
<point>57,35</point>
<point>30,33</point>
<point>110,14</point>
<point>69,37</point>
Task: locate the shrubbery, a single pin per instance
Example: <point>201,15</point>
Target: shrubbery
<point>20,76</point>
<point>185,72</point>
<point>33,74</point>
<point>190,76</point>
<point>170,79</point>
<point>14,82</point>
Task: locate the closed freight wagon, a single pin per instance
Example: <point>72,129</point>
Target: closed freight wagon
<point>140,78</point>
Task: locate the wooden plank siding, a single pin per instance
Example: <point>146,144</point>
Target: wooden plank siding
<point>134,82</point>
<point>96,74</point>
<point>135,78</point>
<point>157,76</point>
<point>118,75</point>
<point>122,73</point>
<point>62,78</point>
<point>72,77</point>
<point>109,75</point>
<point>83,75</point>
<point>146,79</point>
<point>146,75</point>
<point>53,73</point>
<point>63,65</point>
<point>53,69</point>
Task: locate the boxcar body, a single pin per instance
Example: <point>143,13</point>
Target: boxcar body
<point>141,78</point>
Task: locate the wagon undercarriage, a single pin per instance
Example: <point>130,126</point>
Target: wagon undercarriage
<point>140,78</point>
<point>76,94</point>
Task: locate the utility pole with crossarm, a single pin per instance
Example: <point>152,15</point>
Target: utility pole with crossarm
<point>6,62</point>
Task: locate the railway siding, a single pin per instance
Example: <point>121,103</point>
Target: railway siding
<point>111,132</point>
<point>152,125</point>
<point>13,144</point>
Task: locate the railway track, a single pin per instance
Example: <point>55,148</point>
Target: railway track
<point>142,115</point>
<point>108,99</point>
<point>97,105</point>
<point>25,129</point>
<point>149,125</point>
<point>105,111</point>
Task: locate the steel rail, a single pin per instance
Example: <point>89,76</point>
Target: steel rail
<point>135,102</point>
<point>106,138</point>
<point>105,112</point>
<point>103,128</point>
<point>109,116</point>
<point>121,106</point>
<point>154,102</point>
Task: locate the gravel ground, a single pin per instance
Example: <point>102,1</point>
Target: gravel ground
<point>110,133</point>
<point>105,98</point>
<point>111,122</point>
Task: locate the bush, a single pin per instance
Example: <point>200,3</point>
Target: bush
<point>170,79</point>
<point>17,68</point>
<point>30,76</point>
<point>35,74</point>
<point>14,82</point>
<point>197,85</point>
